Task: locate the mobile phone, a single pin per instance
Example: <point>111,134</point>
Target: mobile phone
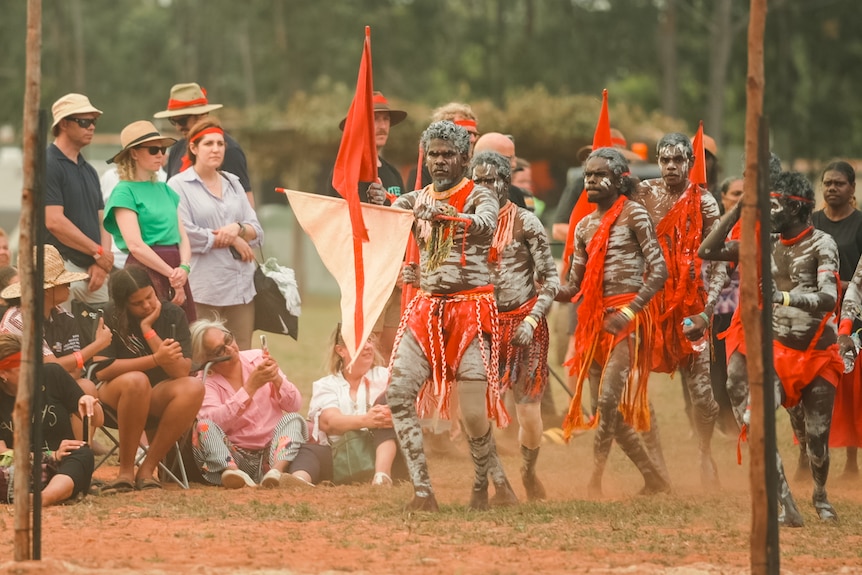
<point>263,345</point>
<point>86,429</point>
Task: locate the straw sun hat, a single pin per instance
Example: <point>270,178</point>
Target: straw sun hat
<point>138,133</point>
<point>56,273</point>
<point>187,100</point>
<point>71,104</point>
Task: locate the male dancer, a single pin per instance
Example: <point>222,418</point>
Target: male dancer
<point>617,268</point>
<point>448,335</point>
<point>683,213</point>
<point>722,244</point>
<point>525,283</point>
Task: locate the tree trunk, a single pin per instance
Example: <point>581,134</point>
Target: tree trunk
<point>667,56</point>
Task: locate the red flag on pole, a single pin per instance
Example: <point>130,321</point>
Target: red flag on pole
<point>601,139</point>
<point>698,170</point>
<point>357,161</point>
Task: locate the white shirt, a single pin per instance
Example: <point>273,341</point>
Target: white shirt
<point>334,391</point>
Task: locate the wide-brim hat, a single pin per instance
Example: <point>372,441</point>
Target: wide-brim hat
<point>140,132</point>
<point>72,104</point>
<point>56,273</point>
<point>619,142</point>
<point>187,100</point>
<point>381,104</point>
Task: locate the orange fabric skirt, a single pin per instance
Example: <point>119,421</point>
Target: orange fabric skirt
<point>798,368</point>
<point>846,428</point>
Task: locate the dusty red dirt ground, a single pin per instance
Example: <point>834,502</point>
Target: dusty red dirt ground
<point>360,529</point>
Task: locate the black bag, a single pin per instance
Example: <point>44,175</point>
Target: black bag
<point>353,457</point>
<point>270,307</point>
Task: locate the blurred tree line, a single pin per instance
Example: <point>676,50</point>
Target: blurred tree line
<point>285,69</point>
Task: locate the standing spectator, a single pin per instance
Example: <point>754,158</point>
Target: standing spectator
<point>248,429</point>
<point>188,105</point>
<point>505,146</point>
<point>841,220</point>
<point>73,202</point>
<point>222,229</point>
<point>143,217</point>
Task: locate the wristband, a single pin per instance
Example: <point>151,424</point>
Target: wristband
<point>532,321</point>
<point>150,334</point>
<point>845,327</point>
<point>628,312</point>
<point>79,359</point>
<point>99,252</point>
<point>186,267</point>
<point>704,317</point>
<point>786,298</point>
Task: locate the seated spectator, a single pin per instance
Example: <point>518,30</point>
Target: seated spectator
<point>70,460</point>
<point>248,429</point>
<point>150,376</point>
<point>349,398</point>
<point>62,341</point>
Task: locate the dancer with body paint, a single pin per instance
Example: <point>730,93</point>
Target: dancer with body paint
<point>617,268</point>
<point>448,338</point>
<point>525,283</point>
<point>683,213</point>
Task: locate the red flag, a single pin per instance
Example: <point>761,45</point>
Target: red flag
<point>601,139</point>
<point>357,160</point>
<point>412,255</point>
<point>357,154</point>
<point>697,175</point>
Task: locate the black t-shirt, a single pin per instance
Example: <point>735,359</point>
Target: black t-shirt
<point>522,198</point>
<point>234,160</point>
<point>59,401</point>
<point>568,199</point>
<point>75,186</point>
<point>389,176</point>
<point>134,345</point>
<point>847,233</point>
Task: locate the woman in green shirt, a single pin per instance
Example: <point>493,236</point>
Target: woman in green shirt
<point>142,215</point>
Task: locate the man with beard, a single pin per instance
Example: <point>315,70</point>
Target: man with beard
<point>617,268</point>
<point>448,338</point>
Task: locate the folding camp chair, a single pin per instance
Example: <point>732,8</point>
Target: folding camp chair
<point>173,467</point>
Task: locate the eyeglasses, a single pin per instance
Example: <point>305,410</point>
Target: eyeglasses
<point>222,349</point>
<point>83,122</point>
<point>179,121</point>
<point>153,150</point>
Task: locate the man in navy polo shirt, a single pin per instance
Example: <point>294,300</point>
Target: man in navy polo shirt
<point>73,200</point>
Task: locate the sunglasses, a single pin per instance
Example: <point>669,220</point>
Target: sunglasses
<point>222,349</point>
<point>153,150</point>
<point>83,122</point>
<point>179,121</point>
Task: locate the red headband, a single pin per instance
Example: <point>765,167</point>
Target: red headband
<point>180,104</point>
<point>467,124</point>
<point>621,142</point>
<point>202,133</point>
<point>11,361</point>
<point>796,198</point>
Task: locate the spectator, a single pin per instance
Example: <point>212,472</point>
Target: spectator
<point>70,460</point>
<point>149,377</point>
<point>222,228</point>
<point>188,105</point>
<point>248,429</point>
<point>8,276</point>
<point>351,397</point>
<point>73,202</point>
<point>142,215</point>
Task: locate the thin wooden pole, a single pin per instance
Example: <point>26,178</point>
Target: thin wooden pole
<point>764,541</point>
<point>31,345</point>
